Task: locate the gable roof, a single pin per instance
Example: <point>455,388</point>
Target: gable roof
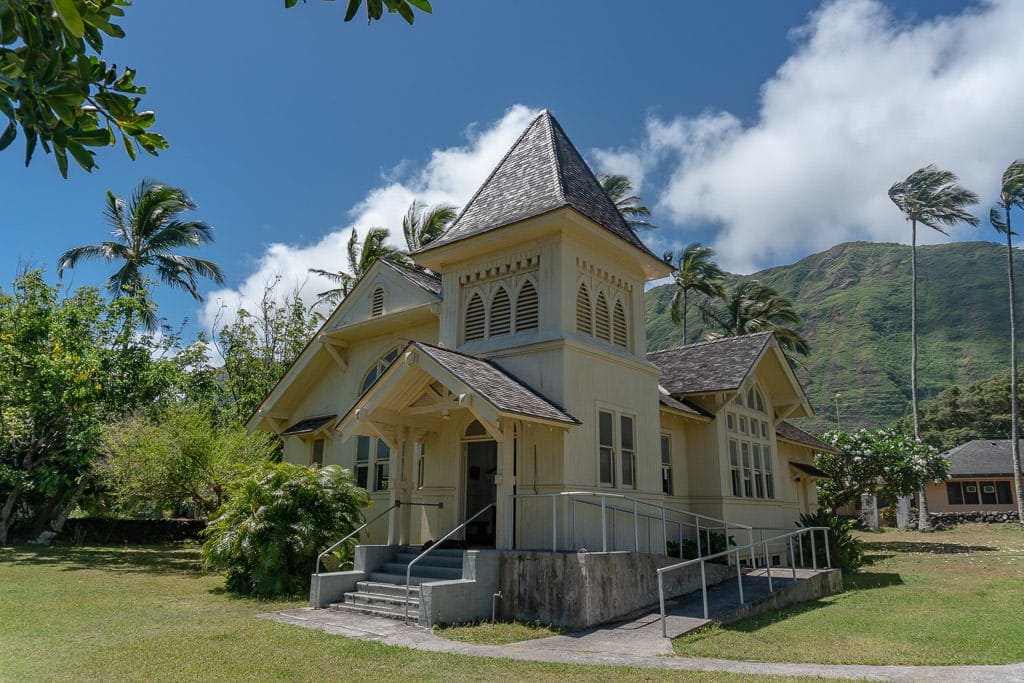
<point>790,432</point>
<point>981,457</point>
<point>543,171</point>
<point>309,425</point>
<point>421,277</point>
<point>705,367</point>
<point>504,391</point>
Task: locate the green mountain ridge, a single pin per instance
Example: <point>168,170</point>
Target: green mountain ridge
<point>855,302</point>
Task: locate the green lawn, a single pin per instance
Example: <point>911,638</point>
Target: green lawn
<point>72,613</point>
<point>500,633</point>
<point>949,597</point>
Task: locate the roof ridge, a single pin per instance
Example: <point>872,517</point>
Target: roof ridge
<point>550,122</point>
<point>707,342</point>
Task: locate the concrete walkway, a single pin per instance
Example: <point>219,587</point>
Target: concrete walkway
<point>636,643</point>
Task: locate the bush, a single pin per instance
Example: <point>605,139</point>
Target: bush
<point>845,551</point>
<point>689,548</point>
<point>269,533</point>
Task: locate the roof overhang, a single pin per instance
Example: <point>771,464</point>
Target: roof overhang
<point>808,470</point>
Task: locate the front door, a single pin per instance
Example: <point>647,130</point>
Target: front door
<point>481,466</point>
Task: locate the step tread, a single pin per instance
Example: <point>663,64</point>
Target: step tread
<point>389,612</point>
<point>423,570</point>
<point>399,579</point>
<point>361,598</point>
<point>383,588</point>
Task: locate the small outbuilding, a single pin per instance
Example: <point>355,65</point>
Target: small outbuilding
<point>980,479</point>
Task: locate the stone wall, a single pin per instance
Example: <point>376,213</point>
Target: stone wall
<point>946,520</point>
<point>587,589</point>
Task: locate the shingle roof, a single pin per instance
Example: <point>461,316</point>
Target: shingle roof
<point>421,277</point>
<point>310,424</point>
<point>719,365</point>
<point>507,393</point>
<point>543,171</point>
<point>682,406</point>
<point>790,432</point>
<point>982,457</point>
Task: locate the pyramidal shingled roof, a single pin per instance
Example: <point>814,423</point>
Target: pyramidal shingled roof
<point>543,171</point>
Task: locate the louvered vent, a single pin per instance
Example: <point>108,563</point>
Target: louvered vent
<point>602,328</point>
<point>584,316</point>
<point>475,318</point>
<point>619,326</point>
<point>527,308</point>
<point>501,313</point>
<point>377,303</point>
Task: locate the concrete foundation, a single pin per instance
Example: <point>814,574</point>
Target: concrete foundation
<point>331,586</point>
<point>811,587</point>
<point>462,600</point>
<point>586,589</point>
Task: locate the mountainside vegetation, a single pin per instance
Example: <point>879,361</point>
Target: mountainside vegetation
<point>855,303</point>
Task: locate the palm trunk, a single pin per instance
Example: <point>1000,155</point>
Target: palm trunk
<point>923,523</point>
<point>686,312</point>
<point>1014,398</point>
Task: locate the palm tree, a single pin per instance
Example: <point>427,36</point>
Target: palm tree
<point>619,189</point>
<point>148,231</point>
<point>752,307</point>
<point>360,258</point>
<point>931,197</point>
<point>423,225</point>
<point>1011,195</point>
<point>694,270</point>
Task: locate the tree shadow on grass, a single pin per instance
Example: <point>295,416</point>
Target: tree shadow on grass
<point>162,559</point>
<point>925,547</point>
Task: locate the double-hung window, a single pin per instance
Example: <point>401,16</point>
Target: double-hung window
<point>616,438</point>
<point>380,465</point>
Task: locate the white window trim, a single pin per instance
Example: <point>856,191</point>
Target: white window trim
<point>617,450</point>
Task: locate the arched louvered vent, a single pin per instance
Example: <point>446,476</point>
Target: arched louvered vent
<point>475,318</point>
<point>377,303</point>
<point>527,308</point>
<point>602,326</point>
<point>584,315</point>
<point>501,313</point>
<point>619,336</point>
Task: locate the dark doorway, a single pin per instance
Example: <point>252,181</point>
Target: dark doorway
<point>481,466</point>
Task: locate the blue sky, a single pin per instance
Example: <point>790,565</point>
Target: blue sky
<point>288,127</point>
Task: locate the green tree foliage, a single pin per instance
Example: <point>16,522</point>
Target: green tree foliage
<point>423,224</point>
<point>257,348</point>
<point>66,365</point>
<point>752,307</point>
<point>148,232</point>
<point>375,8</point>
<point>176,464</point>
<point>694,271</point>
<point>844,549</point>
<point>269,533</point>
<point>56,88</point>
<point>619,189</point>
<point>882,462</point>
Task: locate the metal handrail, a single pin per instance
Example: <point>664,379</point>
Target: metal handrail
<point>435,546</point>
<point>396,504</point>
<point>739,575</point>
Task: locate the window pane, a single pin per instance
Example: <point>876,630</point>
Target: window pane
<point>666,480</point>
<point>743,425</point>
<point>769,484</point>
<point>627,468</point>
<point>606,467</point>
<point>734,458</point>
<point>730,422</point>
<point>362,449</point>
<point>988,492</point>
<point>735,482</point>
<point>666,450</point>
<point>1004,492</point>
<point>318,452</point>
<point>383,452</point>
<point>371,376</point>
<point>767,459</point>
<point>605,429</point>
<point>382,479</point>
<point>764,430</point>
<point>970,493</point>
<point>955,493</point>
<point>362,472</point>
<point>626,432</point>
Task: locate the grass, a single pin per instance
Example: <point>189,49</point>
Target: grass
<point>500,633</point>
<point>949,597</point>
<point>127,613</point>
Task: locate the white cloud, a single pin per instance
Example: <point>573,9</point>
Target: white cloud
<point>863,101</point>
<point>450,176</point>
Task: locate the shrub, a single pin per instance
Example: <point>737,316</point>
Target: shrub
<point>269,533</point>
<point>845,551</point>
<point>689,548</point>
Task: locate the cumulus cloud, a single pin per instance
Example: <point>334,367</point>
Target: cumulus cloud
<point>450,176</point>
<point>863,100</point>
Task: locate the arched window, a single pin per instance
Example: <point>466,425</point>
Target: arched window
<point>377,303</point>
<point>754,400</point>
<point>584,314</point>
<point>475,430</point>
<point>475,318</point>
<point>377,369</point>
<point>501,313</point>
<point>602,326</point>
<point>527,308</point>
<point>620,337</point>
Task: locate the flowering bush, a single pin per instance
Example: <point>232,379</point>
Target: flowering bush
<point>883,462</point>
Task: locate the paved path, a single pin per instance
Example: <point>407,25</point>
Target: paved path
<point>625,644</point>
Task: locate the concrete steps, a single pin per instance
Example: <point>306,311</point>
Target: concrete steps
<point>384,594</point>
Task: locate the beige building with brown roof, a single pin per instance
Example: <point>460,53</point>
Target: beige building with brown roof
<point>510,367</point>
